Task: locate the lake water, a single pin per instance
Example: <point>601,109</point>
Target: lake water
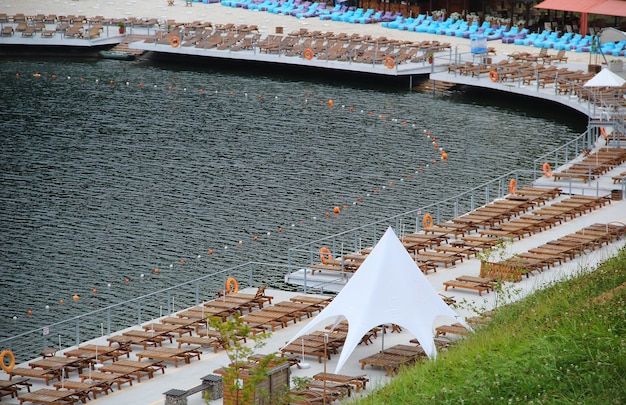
<point>111,169</point>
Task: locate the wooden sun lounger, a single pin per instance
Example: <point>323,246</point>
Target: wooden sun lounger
<point>171,354</point>
<point>205,341</point>
<point>125,341</point>
<point>89,388</point>
<point>390,362</point>
<point>455,329</point>
<point>52,397</point>
<point>467,285</point>
<point>131,371</point>
<point>46,375</point>
<point>359,382</point>
<point>111,378</point>
<point>163,328</point>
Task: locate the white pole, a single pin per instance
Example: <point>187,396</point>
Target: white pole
<point>303,364</point>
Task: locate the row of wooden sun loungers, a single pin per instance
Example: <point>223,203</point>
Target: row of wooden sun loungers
<point>322,46</point>
<point>593,165</point>
<point>557,251</point>
<point>434,247</point>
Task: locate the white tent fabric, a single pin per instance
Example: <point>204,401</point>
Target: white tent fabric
<point>388,288</point>
<point>605,78</point>
<point>610,34</point>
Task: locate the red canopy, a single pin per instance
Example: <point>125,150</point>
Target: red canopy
<point>577,6</point>
<point>602,7</point>
<point>610,7</point>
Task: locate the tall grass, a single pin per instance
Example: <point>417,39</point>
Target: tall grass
<point>562,345</point>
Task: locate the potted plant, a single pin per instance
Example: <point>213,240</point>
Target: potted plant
<point>593,55</point>
<point>122,27</point>
<point>431,57</point>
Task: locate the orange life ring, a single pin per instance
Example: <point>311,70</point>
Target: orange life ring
<point>512,186</point>
<point>9,354</point>
<point>174,41</point>
<point>308,54</point>
<point>231,285</point>
<point>325,255</point>
<point>547,170</point>
<point>390,63</point>
<point>603,133</point>
<point>493,75</point>
<point>428,221</point>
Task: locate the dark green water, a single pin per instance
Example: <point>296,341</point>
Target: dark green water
<point>110,169</point>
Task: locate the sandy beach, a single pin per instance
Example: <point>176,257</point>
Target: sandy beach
<point>218,14</point>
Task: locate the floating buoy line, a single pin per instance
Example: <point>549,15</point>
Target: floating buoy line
<point>436,156</point>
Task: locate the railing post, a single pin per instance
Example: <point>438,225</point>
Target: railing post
<point>138,312</point>
<point>77,331</point>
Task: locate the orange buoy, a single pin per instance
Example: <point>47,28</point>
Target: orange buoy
<point>444,155</point>
<point>231,285</point>
<point>336,210</point>
<point>156,271</point>
<point>255,238</point>
<point>210,252</point>
<point>94,291</point>
<point>75,297</point>
<point>327,214</point>
<point>547,170</point>
<point>280,229</point>
<point>61,301</point>
<point>325,255</point>
<point>428,221</point>
<point>29,312</point>
<point>330,103</point>
<point>9,354</point>
<point>512,186</point>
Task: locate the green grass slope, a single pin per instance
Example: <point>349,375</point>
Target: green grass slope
<point>563,345</point>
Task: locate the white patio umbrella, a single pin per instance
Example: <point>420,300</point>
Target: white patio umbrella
<point>605,78</point>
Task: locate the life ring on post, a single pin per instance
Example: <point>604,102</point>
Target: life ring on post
<point>174,41</point>
<point>428,221</point>
<point>547,170</point>
<point>493,75</point>
<point>390,63</point>
<point>231,285</point>
<point>512,186</point>
<point>9,354</point>
<point>308,54</point>
<point>325,255</point>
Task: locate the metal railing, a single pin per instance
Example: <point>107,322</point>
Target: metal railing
<point>353,240</point>
<point>135,311</point>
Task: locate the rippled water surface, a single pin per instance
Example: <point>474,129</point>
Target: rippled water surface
<point>111,169</point>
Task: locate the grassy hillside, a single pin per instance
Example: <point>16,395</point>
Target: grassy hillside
<point>563,345</point>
